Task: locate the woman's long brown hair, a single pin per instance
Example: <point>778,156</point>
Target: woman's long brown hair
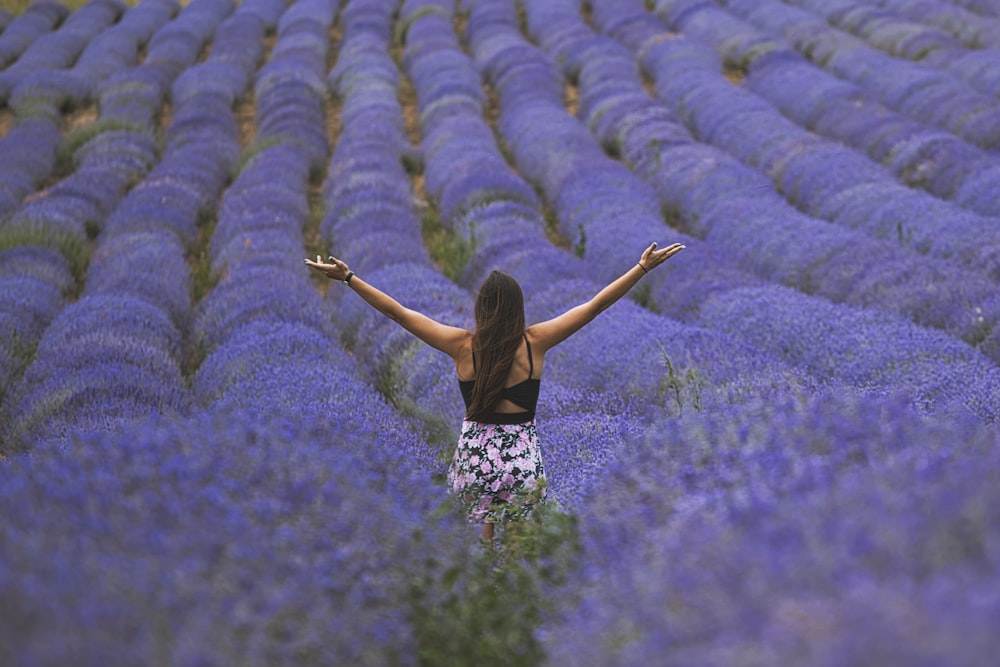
<point>499,328</point>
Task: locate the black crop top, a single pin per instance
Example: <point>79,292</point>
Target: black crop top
<point>524,394</point>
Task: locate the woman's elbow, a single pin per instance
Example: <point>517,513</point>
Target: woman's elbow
<point>392,314</point>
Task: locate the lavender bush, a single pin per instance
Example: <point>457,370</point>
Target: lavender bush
<point>139,265</point>
<point>785,532</point>
<point>29,155</point>
<point>276,539</point>
<point>112,49</point>
<point>60,48</point>
<point>727,213</point>
<point>973,30</point>
<point>923,156</point>
<point>38,19</point>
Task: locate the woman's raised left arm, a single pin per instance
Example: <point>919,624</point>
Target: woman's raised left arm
<point>440,336</point>
<point>550,333</point>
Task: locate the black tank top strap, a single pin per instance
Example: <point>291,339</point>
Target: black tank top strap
<point>531,362</point>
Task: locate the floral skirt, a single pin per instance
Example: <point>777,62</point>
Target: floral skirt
<point>497,471</point>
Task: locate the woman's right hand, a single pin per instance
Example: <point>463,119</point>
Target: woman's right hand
<point>335,269</point>
<point>652,258</point>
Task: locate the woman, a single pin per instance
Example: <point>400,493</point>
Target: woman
<point>497,469</point>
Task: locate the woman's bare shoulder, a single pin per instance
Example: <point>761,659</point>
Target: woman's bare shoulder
<point>464,344</point>
<point>537,350</point>
<point>536,336</point>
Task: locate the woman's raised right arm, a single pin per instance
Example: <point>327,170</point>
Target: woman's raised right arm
<point>440,336</point>
<point>550,333</point>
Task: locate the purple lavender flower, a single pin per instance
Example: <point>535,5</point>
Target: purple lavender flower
<point>148,265</point>
<point>27,305</point>
<point>38,19</point>
<point>103,360</point>
<point>60,48</point>
<point>291,505</point>
<point>938,161</point>
<point>724,532</point>
<point>257,292</point>
<point>860,348</point>
<point>27,157</point>
<point>975,31</point>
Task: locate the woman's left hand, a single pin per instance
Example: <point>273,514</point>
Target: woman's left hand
<point>652,258</point>
<point>333,268</point>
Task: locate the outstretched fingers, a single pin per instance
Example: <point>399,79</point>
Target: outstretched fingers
<point>325,269</point>
<point>653,257</point>
<point>671,250</point>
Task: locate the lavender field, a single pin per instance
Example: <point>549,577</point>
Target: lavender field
<point>783,449</point>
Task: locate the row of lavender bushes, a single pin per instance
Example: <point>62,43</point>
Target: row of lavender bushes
<point>812,256</point>
<point>706,458</point>
<point>819,176</point>
<point>279,511</point>
<point>43,241</point>
<point>765,38</point>
<point>114,353</point>
<point>974,31</point>
<point>895,29</point>
<point>909,40</point>
<point>547,144</point>
<point>761,461</point>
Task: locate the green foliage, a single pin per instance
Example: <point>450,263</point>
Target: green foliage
<point>684,388</point>
<point>42,411</point>
<point>317,173</point>
<point>403,26</point>
<point>38,107</point>
<point>672,217</point>
<point>22,352</point>
<point>522,17</point>
<point>72,247</point>
<point>642,295</point>
<point>412,163</point>
<point>654,146</point>
<point>451,252</point>
<point>613,148</point>
<point>195,353</point>
<point>905,235</point>
<point>311,233</point>
<point>92,228</point>
<point>485,611</point>
<point>203,281</point>
<point>75,140</point>
<point>580,249</point>
<point>751,54</point>
<point>252,151</point>
<point>437,431</point>
<point>17,7</point>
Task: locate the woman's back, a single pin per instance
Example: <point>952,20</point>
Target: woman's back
<point>522,384</point>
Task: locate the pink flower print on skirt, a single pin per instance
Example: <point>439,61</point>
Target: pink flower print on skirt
<point>497,471</point>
